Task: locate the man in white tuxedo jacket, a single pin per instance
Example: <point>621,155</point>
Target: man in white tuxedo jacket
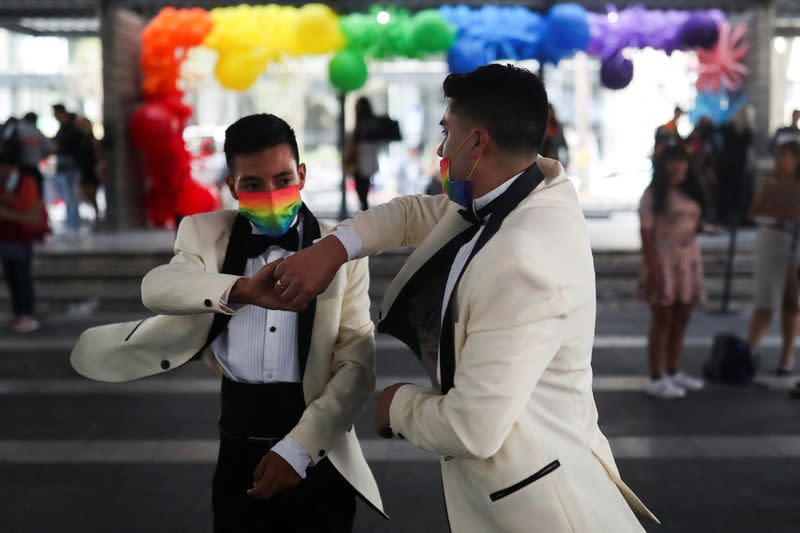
<point>293,382</point>
<point>498,303</point>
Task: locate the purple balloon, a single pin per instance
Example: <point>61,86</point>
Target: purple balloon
<point>699,31</point>
<point>616,72</point>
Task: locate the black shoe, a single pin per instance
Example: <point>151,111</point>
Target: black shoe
<point>783,372</point>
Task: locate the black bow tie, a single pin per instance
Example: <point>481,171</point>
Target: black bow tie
<point>256,245</point>
<point>476,218</point>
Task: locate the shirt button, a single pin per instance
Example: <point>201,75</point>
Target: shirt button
<point>272,329</point>
<point>269,376</point>
<point>207,303</point>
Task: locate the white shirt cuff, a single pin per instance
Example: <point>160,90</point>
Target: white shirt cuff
<point>294,454</point>
<point>351,241</point>
<point>223,302</point>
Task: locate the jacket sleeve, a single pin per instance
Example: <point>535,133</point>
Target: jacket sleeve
<point>353,372</point>
<point>185,285</point>
<point>404,221</point>
<point>514,330</point>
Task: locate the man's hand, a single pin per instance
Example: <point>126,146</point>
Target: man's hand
<point>260,290</point>
<point>304,275</point>
<point>382,422</point>
<point>273,475</point>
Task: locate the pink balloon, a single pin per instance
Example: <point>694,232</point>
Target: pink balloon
<point>722,67</point>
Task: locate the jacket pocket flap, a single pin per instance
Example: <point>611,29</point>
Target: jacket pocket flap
<point>525,482</point>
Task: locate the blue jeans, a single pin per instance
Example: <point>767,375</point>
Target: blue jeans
<point>18,271</point>
<point>67,182</point>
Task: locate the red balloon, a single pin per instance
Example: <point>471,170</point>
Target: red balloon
<point>152,125</point>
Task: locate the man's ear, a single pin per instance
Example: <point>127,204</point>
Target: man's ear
<point>230,180</point>
<point>301,175</point>
<point>481,141</point>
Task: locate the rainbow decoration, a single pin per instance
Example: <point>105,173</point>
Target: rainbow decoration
<point>271,212</point>
<point>248,39</point>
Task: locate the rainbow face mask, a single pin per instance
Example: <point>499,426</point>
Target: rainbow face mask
<point>459,191</point>
<point>271,212</point>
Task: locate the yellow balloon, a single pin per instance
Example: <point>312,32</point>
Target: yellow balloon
<point>238,72</point>
<point>318,30</point>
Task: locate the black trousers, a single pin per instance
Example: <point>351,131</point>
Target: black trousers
<point>363,184</point>
<point>322,503</point>
<point>18,271</point>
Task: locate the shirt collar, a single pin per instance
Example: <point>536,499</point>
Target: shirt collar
<point>486,199</point>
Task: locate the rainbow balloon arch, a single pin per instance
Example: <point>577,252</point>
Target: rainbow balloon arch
<point>248,39</point>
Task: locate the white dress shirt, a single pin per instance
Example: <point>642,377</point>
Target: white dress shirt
<point>260,346</point>
<point>354,245</point>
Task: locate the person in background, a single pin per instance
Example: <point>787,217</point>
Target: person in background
<point>787,133</point>
<point>735,177</point>
<point>554,145</point>
<point>68,170</point>
<point>20,215</point>
<point>35,146</point>
<point>667,134</point>
<point>671,280</point>
<point>88,156</point>
<point>704,145</point>
<point>776,281</point>
<point>365,151</point>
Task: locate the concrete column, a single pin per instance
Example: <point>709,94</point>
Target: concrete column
<point>119,34</point>
<point>761,23</point>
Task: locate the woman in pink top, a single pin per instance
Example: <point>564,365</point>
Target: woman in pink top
<point>671,279</point>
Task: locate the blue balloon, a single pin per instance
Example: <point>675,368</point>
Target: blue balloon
<point>492,33</point>
<point>466,55</point>
<point>569,23</point>
<point>718,106</point>
<point>566,31</point>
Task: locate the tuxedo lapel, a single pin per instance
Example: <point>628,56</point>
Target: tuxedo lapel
<point>501,207</point>
<point>234,263</point>
<point>311,232</point>
<point>410,311</point>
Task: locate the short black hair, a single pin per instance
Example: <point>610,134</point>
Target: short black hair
<point>254,133</point>
<point>60,107</point>
<point>31,117</point>
<point>510,102</point>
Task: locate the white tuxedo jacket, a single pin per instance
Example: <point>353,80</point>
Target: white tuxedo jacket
<point>336,336</point>
<point>518,437</point>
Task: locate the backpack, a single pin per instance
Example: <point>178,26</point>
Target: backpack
<point>731,361</point>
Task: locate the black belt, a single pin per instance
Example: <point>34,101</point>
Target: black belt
<point>259,412</point>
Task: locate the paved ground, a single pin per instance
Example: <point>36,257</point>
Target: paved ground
<point>77,456</point>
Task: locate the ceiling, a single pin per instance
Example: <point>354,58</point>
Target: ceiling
<point>79,17</point>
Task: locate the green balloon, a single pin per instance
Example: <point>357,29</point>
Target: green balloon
<point>431,32</point>
<point>359,30</point>
<point>347,70</point>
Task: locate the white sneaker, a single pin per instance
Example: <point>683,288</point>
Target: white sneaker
<point>664,388</point>
<point>684,380</point>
